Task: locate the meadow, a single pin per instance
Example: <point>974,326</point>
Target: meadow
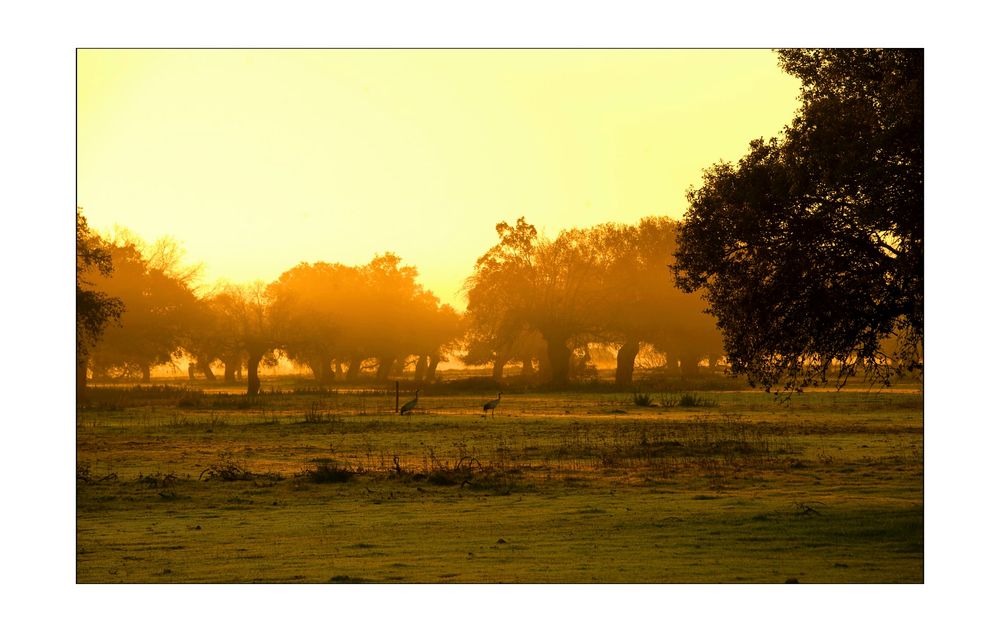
<point>182,482</point>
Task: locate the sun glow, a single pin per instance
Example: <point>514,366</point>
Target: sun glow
<point>256,160</point>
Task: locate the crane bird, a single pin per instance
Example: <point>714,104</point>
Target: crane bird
<point>491,405</point>
<point>408,407</point>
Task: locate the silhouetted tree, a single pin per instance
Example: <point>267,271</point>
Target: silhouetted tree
<point>211,336</point>
<point>524,347</point>
<point>313,308</point>
<point>158,304</point>
<point>497,294</point>
<point>246,310</point>
<point>811,247</point>
<point>325,313</point>
<point>94,309</point>
<point>437,328</point>
<point>525,283</point>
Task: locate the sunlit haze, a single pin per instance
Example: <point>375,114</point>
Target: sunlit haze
<point>256,160</point>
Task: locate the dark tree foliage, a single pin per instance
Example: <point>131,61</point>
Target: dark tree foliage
<point>810,249</point>
<point>159,308</point>
<point>94,309</point>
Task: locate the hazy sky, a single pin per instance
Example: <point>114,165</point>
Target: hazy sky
<point>256,160</point>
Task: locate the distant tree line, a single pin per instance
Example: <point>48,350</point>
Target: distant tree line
<point>334,319</point>
<point>530,299</point>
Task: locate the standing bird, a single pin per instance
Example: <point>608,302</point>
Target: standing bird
<point>408,407</point>
<point>491,405</point>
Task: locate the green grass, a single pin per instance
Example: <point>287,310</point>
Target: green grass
<point>331,486</point>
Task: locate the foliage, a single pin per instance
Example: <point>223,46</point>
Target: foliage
<point>642,399</point>
<point>605,284</point>
<point>639,301</point>
<point>210,334</point>
<point>687,400</point>
<point>323,313</point>
<point>158,306</point>
<point>246,311</point>
<point>230,468</point>
<point>810,249</point>
<point>329,472</point>
<point>95,309</point>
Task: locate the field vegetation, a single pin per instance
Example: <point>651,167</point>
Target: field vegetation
<point>311,484</point>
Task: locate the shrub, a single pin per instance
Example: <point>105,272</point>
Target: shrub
<point>316,415</point>
<point>330,473</point>
<point>642,399</point>
<point>687,400</point>
<point>227,468</point>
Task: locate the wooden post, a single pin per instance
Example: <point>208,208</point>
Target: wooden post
<point>397,396</point>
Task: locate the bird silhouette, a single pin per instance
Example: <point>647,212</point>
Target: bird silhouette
<point>491,405</point>
<point>408,407</point>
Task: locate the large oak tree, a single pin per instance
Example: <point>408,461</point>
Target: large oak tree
<point>158,303</point>
<point>810,248</point>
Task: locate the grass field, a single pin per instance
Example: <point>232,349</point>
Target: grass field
<point>313,485</point>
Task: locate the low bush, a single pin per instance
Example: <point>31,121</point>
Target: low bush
<point>687,400</point>
<point>642,399</point>
<point>329,472</point>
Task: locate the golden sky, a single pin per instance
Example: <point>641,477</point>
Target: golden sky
<point>256,160</point>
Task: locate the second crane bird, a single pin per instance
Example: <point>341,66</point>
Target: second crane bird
<point>491,405</point>
<point>407,408</point>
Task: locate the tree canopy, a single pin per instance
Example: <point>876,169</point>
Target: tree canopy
<point>94,309</point>
<point>608,284</point>
<point>639,301</point>
<point>245,311</point>
<point>323,313</point>
<point>159,305</point>
<point>810,248</point>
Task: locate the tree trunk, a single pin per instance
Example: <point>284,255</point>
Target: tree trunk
<point>353,369</point>
<point>320,367</point>
<point>253,381</point>
<point>626,363</point>
<point>338,373</point>
<point>498,364</point>
<point>559,359</point>
<point>81,377</point>
<point>432,368</point>
<point>420,371</point>
<point>713,361</point>
<point>689,365</point>
<point>205,364</point>
<point>145,374</point>
<point>544,368</point>
<point>384,368</point>
<point>98,370</point>
<point>229,371</point>
<point>527,369</point>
